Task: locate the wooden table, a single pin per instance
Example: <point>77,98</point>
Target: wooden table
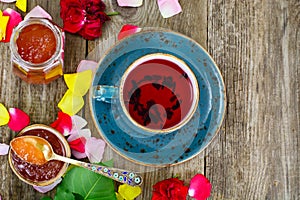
<point>256,45</point>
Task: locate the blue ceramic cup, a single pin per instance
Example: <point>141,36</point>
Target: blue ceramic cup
<point>158,93</point>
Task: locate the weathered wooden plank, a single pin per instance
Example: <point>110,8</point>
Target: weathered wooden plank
<point>256,46</point>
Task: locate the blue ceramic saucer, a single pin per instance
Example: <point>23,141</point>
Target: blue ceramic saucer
<point>174,147</point>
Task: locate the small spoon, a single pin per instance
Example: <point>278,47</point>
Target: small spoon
<point>37,150</point>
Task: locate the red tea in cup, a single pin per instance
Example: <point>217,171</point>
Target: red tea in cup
<point>159,92</point>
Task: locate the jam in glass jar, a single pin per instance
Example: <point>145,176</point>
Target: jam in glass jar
<point>37,50</point>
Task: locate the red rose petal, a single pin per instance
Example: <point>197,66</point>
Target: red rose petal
<point>18,119</point>
<point>128,30</point>
<point>74,19</point>
<point>200,187</point>
<point>14,19</point>
<point>78,144</point>
<point>171,188</point>
<point>63,123</point>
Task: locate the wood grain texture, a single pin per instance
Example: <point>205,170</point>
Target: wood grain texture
<point>256,45</point>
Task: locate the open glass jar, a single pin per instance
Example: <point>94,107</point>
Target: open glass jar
<point>37,50</point>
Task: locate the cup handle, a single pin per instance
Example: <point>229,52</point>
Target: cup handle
<point>105,93</point>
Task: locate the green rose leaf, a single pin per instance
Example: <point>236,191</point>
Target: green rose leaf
<point>82,184</point>
<point>46,198</point>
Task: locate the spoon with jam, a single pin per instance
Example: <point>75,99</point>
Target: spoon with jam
<point>37,150</point>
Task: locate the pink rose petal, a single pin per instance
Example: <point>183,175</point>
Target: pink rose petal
<point>18,119</point>
<point>169,8</point>
<point>4,148</point>
<point>8,1</point>
<point>94,149</point>
<point>44,189</point>
<point>128,30</point>
<point>200,187</point>
<point>86,133</point>
<point>14,19</point>
<point>38,12</point>
<point>78,155</point>
<point>78,122</point>
<point>78,144</point>
<point>130,3</point>
<point>63,123</point>
<point>87,65</point>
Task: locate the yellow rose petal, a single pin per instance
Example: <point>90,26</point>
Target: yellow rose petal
<point>4,115</point>
<point>129,192</point>
<point>79,82</point>
<point>22,5</point>
<point>71,103</point>
<point>3,24</point>
<point>119,197</point>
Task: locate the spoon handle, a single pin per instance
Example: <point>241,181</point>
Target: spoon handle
<point>120,175</point>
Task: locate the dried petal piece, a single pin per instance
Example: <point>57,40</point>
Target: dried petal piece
<point>94,149</point>
<point>87,65</point>
<point>129,192</point>
<point>4,115</point>
<point>200,187</point>
<point>18,119</point>
<point>77,133</point>
<point>38,11</point>
<point>4,149</point>
<point>71,103</point>
<point>44,189</point>
<point>3,25</point>
<point>130,3</point>
<point>7,1</point>
<point>79,83</point>
<point>22,5</point>
<point>78,122</point>
<point>78,144</point>
<point>63,123</point>
<point>14,19</point>
<point>128,30</point>
<point>169,8</point>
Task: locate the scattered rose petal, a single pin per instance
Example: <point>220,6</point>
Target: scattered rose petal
<point>4,115</point>
<point>18,119</point>
<point>200,187</point>
<point>94,149</point>
<point>63,123</point>
<point>78,155</point>
<point>169,8</point>
<point>130,3</point>
<point>129,192</point>
<point>71,103</point>
<point>79,83</point>
<point>78,122</point>
<point>7,1</point>
<point>14,19</point>
<point>87,65</point>
<point>22,5</point>
<point>4,149</point>
<point>128,30</point>
<point>75,133</point>
<point>119,197</point>
<point>78,144</point>
<point>44,189</point>
<point>3,25</point>
<point>38,11</point>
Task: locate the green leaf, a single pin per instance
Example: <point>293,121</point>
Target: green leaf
<point>83,184</point>
<point>46,198</point>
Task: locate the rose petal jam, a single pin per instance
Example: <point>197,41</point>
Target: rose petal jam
<point>37,50</point>
<point>36,43</point>
<point>47,171</point>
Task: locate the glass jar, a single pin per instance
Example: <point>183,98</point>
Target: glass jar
<point>37,50</point>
